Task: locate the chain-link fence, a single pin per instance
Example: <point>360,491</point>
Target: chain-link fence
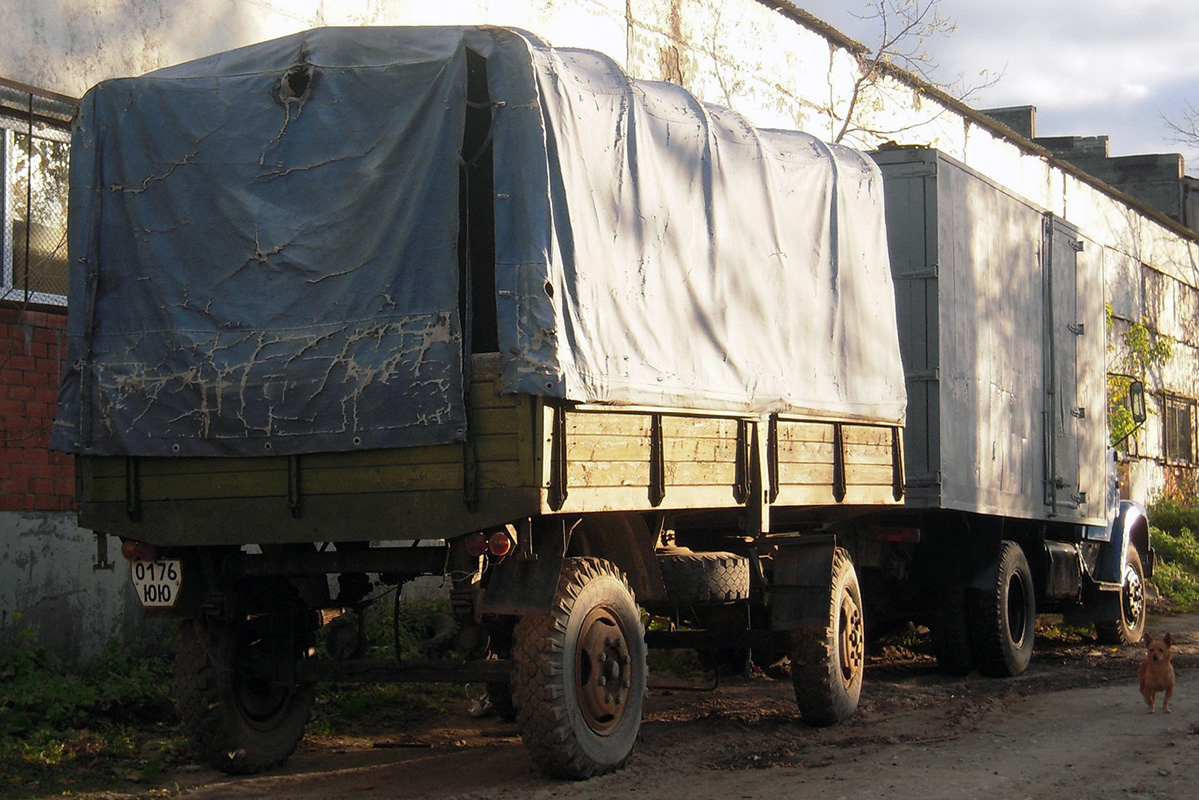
<point>35,159</point>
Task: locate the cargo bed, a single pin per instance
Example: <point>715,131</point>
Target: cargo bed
<point>524,456</point>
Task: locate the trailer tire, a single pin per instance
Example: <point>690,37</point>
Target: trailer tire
<point>697,579</point>
<point>1002,614</point>
<point>950,628</point>
<point>499,693</point>
<point>579,673</point>
<point>827,665</point>
<point>1130,628</point>
<point>235,720</point>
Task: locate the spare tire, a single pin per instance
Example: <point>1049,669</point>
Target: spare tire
<point>696,579</point>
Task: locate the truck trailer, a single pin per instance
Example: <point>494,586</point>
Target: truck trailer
<point>1010,474</point>
<point>360,305</point>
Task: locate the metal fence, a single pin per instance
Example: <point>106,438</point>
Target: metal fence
<point>34,162</point>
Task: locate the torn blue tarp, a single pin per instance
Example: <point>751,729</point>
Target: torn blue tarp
<point>266,258</point>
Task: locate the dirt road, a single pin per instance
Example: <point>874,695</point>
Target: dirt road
<point>1073,726</point>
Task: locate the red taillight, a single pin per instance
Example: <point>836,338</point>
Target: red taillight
<point>476,544</point>
<point>901,535</point>
<point>500,544</point>
<point>138,551</point>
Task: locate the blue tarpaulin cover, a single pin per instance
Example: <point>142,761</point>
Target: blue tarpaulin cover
<point>265,249</point>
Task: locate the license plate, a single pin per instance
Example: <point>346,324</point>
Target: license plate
<point>157,582</point>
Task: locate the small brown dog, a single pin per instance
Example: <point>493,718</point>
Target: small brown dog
<point>1157,673</point>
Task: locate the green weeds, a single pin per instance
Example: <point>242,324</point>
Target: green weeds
<point>1176,573</point>
<point>106,723</point>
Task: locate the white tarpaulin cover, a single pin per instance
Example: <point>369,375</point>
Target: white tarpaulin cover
<point>266,258</point>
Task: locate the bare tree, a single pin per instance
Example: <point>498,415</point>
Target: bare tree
<point>1186,129</point>
<point>902,46</point>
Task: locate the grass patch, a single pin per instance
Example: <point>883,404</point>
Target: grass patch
<point>1173,516</point>
<point>1179,585</point>
<point>110,725</point>
<point>105,724</point>
<point>1176,573</point>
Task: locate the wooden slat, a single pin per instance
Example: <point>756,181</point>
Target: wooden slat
<point>206,466</point>
<point>594,447</point>
<point>606,473</point>
<point>869,495</point>
<point>410,456</point>
<point>105,489</point>
<point>796,452</point>
<point>616,498</point>
<point>809,474</point>
<point>216,485</point>
<point>805,495</point>
<point>857,454</point>
<point>718,450</point>
<point>699,428</point>
<point>789,431</point>
<point>498,449</point>
<point>866,435</point>
<point>394,478</point>
<point>700,474</point>
<point>598,423</point>
<point>104,466</point>
<point>492,421</point>
<point>868,474</point>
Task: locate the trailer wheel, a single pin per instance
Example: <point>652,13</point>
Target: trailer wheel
<point>1002,614</point>
<point>950,630</point>
<point>237,720</point>
<point>579,673</point>
<point>827,665</point>
<point>1130,628</point>
<point>500,695</point>
<point>704,578</point>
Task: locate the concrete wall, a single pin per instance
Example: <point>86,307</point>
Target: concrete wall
<point>50,584</point>
<point>760,57</point>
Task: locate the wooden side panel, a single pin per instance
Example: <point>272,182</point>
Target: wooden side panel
<point>500,448</point>
<point>805,458</point>
<point>870,463</point>
<point>808,462</point>
<point>700,451</point>
<point>607,449</point>
<point>637,460</point>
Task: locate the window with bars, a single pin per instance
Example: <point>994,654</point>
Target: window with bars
<point>1179,433</point>
<point>34,163</point>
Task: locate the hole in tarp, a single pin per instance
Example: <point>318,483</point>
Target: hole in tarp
<point>294,85</point>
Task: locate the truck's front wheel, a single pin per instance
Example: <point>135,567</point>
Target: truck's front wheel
<point>1130,628</point>
<point>827,664</point>
<point>236,717</point>
<point>579,673</point>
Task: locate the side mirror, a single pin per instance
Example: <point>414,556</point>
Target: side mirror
<point>1136,402</point>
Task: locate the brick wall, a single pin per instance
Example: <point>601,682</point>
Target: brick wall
<point>32,353</point>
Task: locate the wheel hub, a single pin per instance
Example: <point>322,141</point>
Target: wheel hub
<point>602,674</point>
<point>1017,616</point>
<point>852,647</point>
<point>1134,596</point>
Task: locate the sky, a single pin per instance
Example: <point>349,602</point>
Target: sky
<point>1091,67</point>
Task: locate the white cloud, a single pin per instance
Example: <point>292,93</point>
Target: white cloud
<point>1103,65</point>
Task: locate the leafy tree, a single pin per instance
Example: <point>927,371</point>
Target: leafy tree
<point>1140,353</point>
